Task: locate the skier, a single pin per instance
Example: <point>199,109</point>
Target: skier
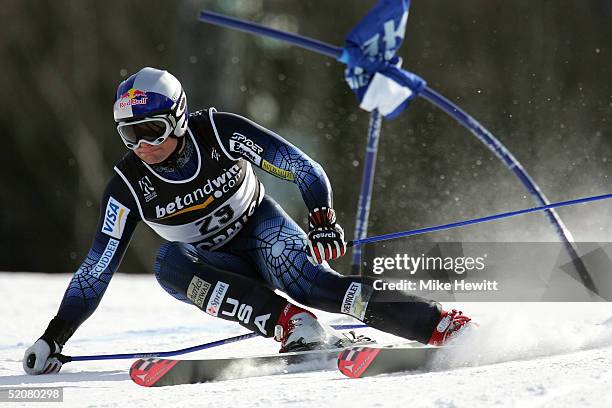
<point>189,178</point>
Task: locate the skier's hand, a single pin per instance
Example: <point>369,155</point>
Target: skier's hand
<point>325,236</point>
<point>39,358</point>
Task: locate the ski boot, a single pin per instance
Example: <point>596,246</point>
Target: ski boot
<point>298,329</point>
<point>451,324</point>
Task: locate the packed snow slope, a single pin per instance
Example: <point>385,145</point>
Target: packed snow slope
<point>524,355</point>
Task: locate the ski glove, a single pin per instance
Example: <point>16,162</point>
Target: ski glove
<point>39,358</point>
<point>325,236</point>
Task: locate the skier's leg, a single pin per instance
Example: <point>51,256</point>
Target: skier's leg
<point>221,284</point>
<point>275,245</point>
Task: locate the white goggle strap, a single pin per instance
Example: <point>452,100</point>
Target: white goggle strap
<point>178,114</point>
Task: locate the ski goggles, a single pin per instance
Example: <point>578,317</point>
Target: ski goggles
<point>154,131</point>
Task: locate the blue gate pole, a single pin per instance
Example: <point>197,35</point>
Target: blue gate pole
<point>367,180</point>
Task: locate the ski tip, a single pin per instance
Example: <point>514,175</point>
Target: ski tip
<point>138,374</point>
<point>148,372</point>
<point>354,362</point>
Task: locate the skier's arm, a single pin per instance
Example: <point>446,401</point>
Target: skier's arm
<point>243,138</point>
<point>118,219</point>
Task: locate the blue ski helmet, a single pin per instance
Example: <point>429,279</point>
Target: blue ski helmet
<point>152,92</point>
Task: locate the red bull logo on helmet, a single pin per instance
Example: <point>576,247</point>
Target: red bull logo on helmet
<point>132,97</point>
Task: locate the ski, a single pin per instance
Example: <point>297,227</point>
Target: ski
<point>159,372</point>
<point>366,361</point>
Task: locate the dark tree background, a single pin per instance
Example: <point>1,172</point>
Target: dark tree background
<point>536,73</point>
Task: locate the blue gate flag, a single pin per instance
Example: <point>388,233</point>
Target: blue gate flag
<point>373,70</point>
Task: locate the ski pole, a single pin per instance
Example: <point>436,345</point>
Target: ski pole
<point>476,220</point>
<point>125,356</point>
